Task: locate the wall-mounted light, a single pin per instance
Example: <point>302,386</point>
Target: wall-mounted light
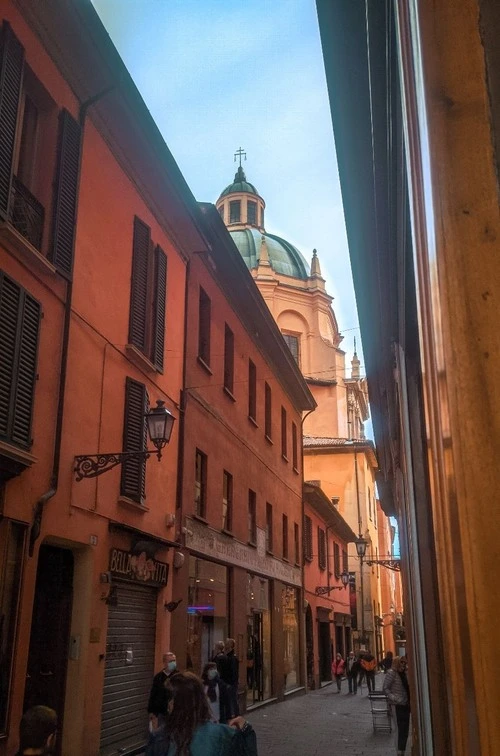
<point>160,423</point>
<point>322,590</point>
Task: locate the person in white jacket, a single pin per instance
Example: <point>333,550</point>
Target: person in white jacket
<point>397,690</point>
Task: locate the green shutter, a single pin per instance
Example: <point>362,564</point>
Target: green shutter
<point>66,193</point>
<point>133,479</point>
<point>159,311</point>
<point>11,79</point>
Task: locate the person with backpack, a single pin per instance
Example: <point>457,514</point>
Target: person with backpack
<point>369,665</point>
<point>338,666</point>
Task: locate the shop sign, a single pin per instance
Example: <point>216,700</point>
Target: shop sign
<point>138,568</point>
<point>210,543</point>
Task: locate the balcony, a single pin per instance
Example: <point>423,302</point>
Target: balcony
<point>26,214</point>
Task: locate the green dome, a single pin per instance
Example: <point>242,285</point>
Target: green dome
<point>283,256</point>
<point>240,184</point>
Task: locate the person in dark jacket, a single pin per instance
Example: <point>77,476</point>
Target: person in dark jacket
<point>397,690</point>
<point>159,695</point>
<point>37,731</point>
<point>368,666</point>
<point>386,662</point>
<point>220,659</point>
<point>216,692</point>
<point>352,672</point>
<point>231,678</point>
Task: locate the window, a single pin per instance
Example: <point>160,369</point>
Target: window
<point>200,484</point>
<point>295,461</point>
<point>252,213</point>
<point>262,217</point>
<point>234,211</point>
<point>284,447</point>
<point>296,539</point>
<point>321,549</point>
<point>285,536</point>
<point>204,318</point>
<point>293,343</point>
<point>268,409</point>
<point>228,359</point>
<point>227,501</point>
<point>19,331</point>
<point>133,475</point>
<point>252,390</point>
<point>308,539</point>
<point>336,560</point>
<point>269,527</point>
<point>252,517</point>
<point>148,296</point>
<point>345,561</point>
<point>221,211</point>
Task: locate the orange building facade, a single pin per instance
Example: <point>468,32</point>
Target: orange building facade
<point>92,296</point>
<point>240,503</point>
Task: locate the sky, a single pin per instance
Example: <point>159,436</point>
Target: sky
<point>222,74</point>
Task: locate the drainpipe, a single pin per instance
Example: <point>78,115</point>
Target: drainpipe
<point>54,480</point>
<point>182,410</point>
<point>303,645</point>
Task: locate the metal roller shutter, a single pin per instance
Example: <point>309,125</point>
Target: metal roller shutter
<point>129,671</point>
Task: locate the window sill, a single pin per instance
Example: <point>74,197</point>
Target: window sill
<point>139,359</point>
<point>295,469</point>
<point>270,552</point>
<point>297,564</point>
<point>227,532</point>
<point>14,460</point>
<point>252,543</point>
<point>229,393</point>
<point>269,440</point>
<point>253,421</point>
<point>284,458</point>
<point>286,559</point>
<point>204,365</point>
<point>199,518</point>
<point>23,250</point>
<point>126,501</point>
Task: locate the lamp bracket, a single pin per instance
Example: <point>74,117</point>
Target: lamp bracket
<point>92,465</point>
<point>391,564</point>
<point>322,590</point>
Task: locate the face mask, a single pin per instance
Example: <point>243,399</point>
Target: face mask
<point>172,666</point>
<point>212,674</point>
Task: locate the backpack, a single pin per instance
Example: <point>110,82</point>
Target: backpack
<point>369,666</point>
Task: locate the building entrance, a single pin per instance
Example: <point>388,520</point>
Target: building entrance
<point>325,651</point>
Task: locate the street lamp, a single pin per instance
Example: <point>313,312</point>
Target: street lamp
<point>361,544</point>
<point>159,422</point>
<point>322,590</point>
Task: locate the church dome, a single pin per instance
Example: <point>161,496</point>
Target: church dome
<point>240,184</point>
<point>284,258</point>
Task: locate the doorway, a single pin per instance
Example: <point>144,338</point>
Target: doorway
<point>325,652</point>
<point>309,648</point>
<point>50,628</point>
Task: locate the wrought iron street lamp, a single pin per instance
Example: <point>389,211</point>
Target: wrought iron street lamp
<point>361,544</point>
<point>322,590</point>
<point>159,422</point>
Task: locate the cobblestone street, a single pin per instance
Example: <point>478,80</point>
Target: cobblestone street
<point>321,723</point>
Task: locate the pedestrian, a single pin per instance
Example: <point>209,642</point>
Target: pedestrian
<point>159,695</point>
<point>386,662</point>
<point>216,693</point>
<point>188,730</point>
<point>220,658</point>
<point>369,665</point>
<point>37,731</point>
<point>352,671</point>
<point>231,677</point>
<point>397,690</point>
<point>338,666</point>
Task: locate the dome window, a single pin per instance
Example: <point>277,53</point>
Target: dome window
<point>293,343</point>
<point>262,217</point>
<point>252,213</point>
<point>235,211</point>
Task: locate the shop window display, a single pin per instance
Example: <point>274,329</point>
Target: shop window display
<point>258,640</point>
<point>207,611</point>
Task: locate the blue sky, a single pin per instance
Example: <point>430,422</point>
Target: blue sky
<point>220,74</point>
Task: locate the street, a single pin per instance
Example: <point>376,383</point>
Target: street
<point>321,722</point>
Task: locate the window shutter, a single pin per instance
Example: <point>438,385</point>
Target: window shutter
<point>133,480</point>
<point>11,78</point>
<point>308,550</point>
<point>66,193</point>
<point>159,308</point>
<point>139,286</point>
<point>19,331</point>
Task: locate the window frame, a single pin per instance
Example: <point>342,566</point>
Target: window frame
<point>284,530</point>
<point>252,517</point>
<point>284,434</point>
<point>322,546</point>
<point>228,360</point>
<point>252,204</point>
<point>227,501</point>
<point>268,411</point>
<point>204,326</point>
<point>200,484</point>
<point>296,538</point>
<point>233,205</point>
<point>308,539</point>
<point>336,559</point>
<point>252,391</point>
<point>269,528</point>
<point>295,339</point>
<point>295,450</point>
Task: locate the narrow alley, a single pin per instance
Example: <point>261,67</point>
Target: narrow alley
<point>323,722</point>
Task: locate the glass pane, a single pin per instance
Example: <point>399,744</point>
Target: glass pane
<point>206,612</point>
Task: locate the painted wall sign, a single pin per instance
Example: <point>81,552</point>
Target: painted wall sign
<point>210,543</point>
<point>137,567</point>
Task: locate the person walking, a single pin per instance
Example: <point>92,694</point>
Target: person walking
<point>159,695</point>
<point>352,671</point>
<point>338,666</point>
<point>397,690</point>
<point>231,677</point>
<point>386,662</point>
<point>188,730</point>
<point>37,731</point>
<point>216,693</point>
<point>220,658</point>
<point>369,665</point>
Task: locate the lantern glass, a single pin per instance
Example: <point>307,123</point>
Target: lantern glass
<point>345,579</point>
<point>361,545</point>
<point>160,424</point>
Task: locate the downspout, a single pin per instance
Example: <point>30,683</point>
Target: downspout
<point>54,480</point>
<point>182,411</point>
<point>303,644</point>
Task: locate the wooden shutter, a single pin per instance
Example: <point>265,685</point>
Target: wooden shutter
<point>159,310</point>
<point>66,193</point>
<point>19,332</point>
<point>308,549</point>
<point>11,79</point>
<point>321,549</point>
<point>133,480</point>
<point>139,286</point>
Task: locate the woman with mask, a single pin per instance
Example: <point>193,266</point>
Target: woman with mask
<point>159,697</point>
<point>397,690</point>
<point>216,693</point>
<point>189,731</point>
